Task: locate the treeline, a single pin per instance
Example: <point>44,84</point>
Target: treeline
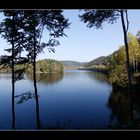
<point>23,30</point>
<point>42,66</point>
<point>118,73</point>
<point>116,63</point>
<point>103,60</point>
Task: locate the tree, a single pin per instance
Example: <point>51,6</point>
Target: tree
<point>10,29</point>
<point>95,18</point>
<point>134,50</point>
<point>138,36</point>
<point>23,29</point>
<point>35,21</point>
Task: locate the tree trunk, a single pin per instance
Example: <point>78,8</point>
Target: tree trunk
<point>35,86</point>
<point>127,65</point>
<point>135,66</point>
<point>13,75</point>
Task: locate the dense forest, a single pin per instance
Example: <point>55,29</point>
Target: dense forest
<point>42,66</point>
<point>115,63</point>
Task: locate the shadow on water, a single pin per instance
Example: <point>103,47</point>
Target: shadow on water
<point>37,106</point>
<point>98,76</point>
<point>22,98</point>
<point>46,78</point>
<point>41,78</point>
<point>25,97</point>
<point>118,102</point>
<point>13,106</point>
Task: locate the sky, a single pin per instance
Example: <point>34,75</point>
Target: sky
<point>85,44</point>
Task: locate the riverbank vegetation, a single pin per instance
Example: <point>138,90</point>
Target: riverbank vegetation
<point>42,66</point>
<point>118,73</point>
<point>23,30</point>
<point>116,66</point>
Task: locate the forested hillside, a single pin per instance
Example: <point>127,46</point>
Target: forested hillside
<point>42,66</point>
<point>72,64</point>
<point>115,63</point>
<point>103,60</point>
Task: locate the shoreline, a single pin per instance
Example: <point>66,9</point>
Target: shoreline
<point>95,70</point>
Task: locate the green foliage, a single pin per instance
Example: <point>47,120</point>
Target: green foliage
<point>46,78</point>
<point>11,31</point>
<point>118,76</point>
<point>103,60</point>
<point>42,66</point>
<point>115,62</point>
<point>49,66</point>
<point>23,29</point>
<point>134,47</point>
<point>117,58</point>
<point>95,18</point>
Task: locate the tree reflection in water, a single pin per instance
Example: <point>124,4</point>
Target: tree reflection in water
<point>118,102</point>
<point>98,76</point>
<point>46,78</point>
<point>41,78</point>
<point>13,105</point>
<point>25,97</point>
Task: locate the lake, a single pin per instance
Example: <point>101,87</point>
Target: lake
<point>76,99</point>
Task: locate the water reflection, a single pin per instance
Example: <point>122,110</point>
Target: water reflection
<point>86,100</point>
<point>118,102</point>
<point>101,77</point>
<point>25,97</point>
<point>13,105</point>
<point>5,76</point>
<point>46,78</point>
<point>98,76</point>
<point>37,104</point>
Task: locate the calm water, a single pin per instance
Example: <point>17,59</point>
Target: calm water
<point>73,100</point>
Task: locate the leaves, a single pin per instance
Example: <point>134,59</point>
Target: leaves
<point>96,18</point>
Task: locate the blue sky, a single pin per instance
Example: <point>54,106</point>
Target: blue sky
<point>85,44</point>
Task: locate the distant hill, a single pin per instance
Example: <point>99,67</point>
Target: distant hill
<point>102,60</point>
<point>72,63</point>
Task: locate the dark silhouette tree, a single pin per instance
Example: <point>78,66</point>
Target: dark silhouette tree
<point>96,18</point>
<point>23,29</point>
<point>35,22</point>
<point>10,29</point>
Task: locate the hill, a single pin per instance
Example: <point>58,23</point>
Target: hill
<point>72,64</point>
<point>42,66</point>
<point>103,60</point>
